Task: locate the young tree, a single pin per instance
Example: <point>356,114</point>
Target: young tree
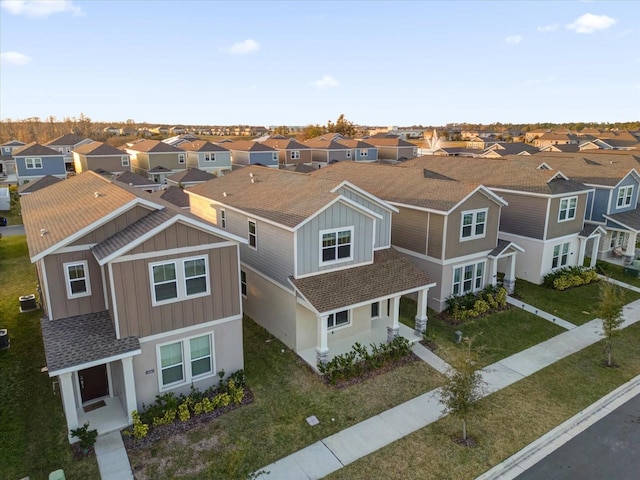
<point>463,387</point>
<point>311,131</point>
<point>610,311</point>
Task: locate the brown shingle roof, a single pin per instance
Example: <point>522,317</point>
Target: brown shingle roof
<point>390,273</point>
<point>202,146</point>
<point>174,195</point>
<point>130,178</point>
<point>285,144</point>
<point>98,148</point>
<point>389,142</point>
<point>249,146</point>
<point>154,146</point>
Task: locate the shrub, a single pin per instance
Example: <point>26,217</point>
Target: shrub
<point>183,412</point>
<point>140,430</point>
<point>87,437</point>
<point>568,277</point>
<point>469,305</point>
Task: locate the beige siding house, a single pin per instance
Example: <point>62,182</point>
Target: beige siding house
<point>134,291</point>
<point>156,160</point>
<point>100,156</point>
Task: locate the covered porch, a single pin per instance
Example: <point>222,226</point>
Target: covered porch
<point>503,258</point>
<point>622,231</point>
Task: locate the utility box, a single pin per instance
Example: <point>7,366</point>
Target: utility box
<point>457,336</point>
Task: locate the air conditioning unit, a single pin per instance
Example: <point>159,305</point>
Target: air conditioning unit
<point>4,338</point>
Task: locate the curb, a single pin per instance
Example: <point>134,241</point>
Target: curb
<point>554,439</point>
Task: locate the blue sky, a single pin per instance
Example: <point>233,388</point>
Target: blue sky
<point>295,63</point>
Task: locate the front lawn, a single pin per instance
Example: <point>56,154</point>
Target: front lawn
<point>616,272</point>
<point>34,436</point>
<point>286,392</point>
<point>506,421</point>
<point>576,305</point>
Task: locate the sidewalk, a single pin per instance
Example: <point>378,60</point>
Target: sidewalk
<point>112,458</point>
<point>357,441</point>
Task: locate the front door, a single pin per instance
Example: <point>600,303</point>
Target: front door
<point>93,383</point>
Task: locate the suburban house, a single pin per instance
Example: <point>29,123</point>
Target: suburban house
<point>290,151</point>
<point>7,148</point>
<point>544,215</point>
<point>96,155</point>
<point>139,298</point>
<point>554,138</point>
<point>179,139</point>
<point>39,184</point>
<point>448,228</point>
<point>613,204</point>
<point>189,178</point>
<point>66,144</point>
<point>502,149</point>
<point>7,163</point>
<point>137,181</point>
<point>318,271</point>
<point>207,156</point>
<point>156,160</point>
<point>245,153</point>
<point>392,147</point>
<point>360,151</point>
<point>332,147</point>
<point>564,148</point>
<point>34,161</point>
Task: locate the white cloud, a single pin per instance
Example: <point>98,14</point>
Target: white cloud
<point>589,23</point>
<point>325,82</point>
<point>244,47</point>
<point>14,58</point>
<point>513,39</point>
<point>548,28</point>
<point>40,8</point>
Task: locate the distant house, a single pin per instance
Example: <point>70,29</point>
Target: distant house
<point>332,147</point>
<point>189,178</point>
<point>66,144</point>
<point>99,155</point>
<point>177,140</point>
<point>137,181</point>
<point>7,148</point>
<point>393,147</point>
<point>174,195</point>
<point>246,152</point>
<point>111,130</point>
<point>565,148</point>
<point>156,160</point>
<point>206,156</point>
<point>502,149</point>
<point>7,162</point>
<point>290,151</point>
<point>177,130</point>
<point>361,151</point>
<point>553,138</point>
<point>34,161</point>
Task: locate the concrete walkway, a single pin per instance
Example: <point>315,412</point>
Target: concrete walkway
<point>113,461</point>
<point>342,448</point>
<point>620,284</point>
<point>541,313</point>
<point>430,358</point>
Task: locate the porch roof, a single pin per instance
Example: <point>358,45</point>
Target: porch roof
<point>83,340</point>
<point>630,219</point>
<point>390,273</point>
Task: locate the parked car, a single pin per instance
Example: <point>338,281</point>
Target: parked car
<point>3,221</point>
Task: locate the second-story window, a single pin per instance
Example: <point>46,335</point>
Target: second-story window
<point>243,283</point>
<point>567,209</point>
<point>209,157</point>
<point>253,235</point>
<point>274,156</point>
<point>176,280</point>
<point>295,155</point>
<point>125,160</point>
<point>336,245</point>
<point>31,163</point>
<point>625,194</point>
<point>364,152</point>
<point>77,279</point>
<point>223,218</point>
<point>474,224</point>
<point>181,158</point>
<point>348,153</point>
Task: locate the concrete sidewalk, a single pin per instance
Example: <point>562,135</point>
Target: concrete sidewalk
<point>113,461</point>
<point>357,441</point>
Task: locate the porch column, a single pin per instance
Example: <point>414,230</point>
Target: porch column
<point>130,402</point>
<point>394,328</point>
<point>509,280</point>
<point>594,251</point>
<point>631,246</point>
<point>581,250</point>
<point>421,314</point>
<point>68,400</point>
<point>322,350</point>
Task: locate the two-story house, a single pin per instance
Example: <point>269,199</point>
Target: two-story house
<point>544,215</point>
<point>393,147</point>
<point>139,298</point>
<point>448,228</point>
<point>156,160</point>
<point>318,271</point>
<point>245,153</point>
<point>360,151</point>
<point>290,151</point>
<point>99,155</point>
<point>206,156</point>
<point>66,144</point>
<point>7,163</point>
<point>34,161</point>
<point>325,149</point>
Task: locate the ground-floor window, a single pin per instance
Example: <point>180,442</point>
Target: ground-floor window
<point>560,255</point>
<point>338,319</point>
<point>468,278</point>
<point>375,310</point>
<point>243,282</point>
<point>184,361</point>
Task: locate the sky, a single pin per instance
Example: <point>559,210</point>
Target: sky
<point>267,63</point>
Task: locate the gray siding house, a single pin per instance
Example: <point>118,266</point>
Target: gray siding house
<point>207,156</point>
<point>245,153</point>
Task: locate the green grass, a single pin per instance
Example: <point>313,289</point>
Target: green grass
<point>286,393</point>
<point>498,335</point>
<point>13,216</point>
<point>576,305</point>
<point>506,421</point>
<point>34,437</point>
<point>616,272</point>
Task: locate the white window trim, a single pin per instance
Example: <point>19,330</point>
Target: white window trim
<point>255,234</point>
<point>339,327</point>
<point>186,364</point>
<point>474,223</point>
<point>624,193</point>
<point>181,280</point>
<point>295,154</point>
<point>371,306</point>
<point>364,152</point>
<point>181,158</point>
<point>560,209</point>
<point>243,283</point>
<point>348,153</point>
<point>209,157</point>
<point>560,248</point>
<point>274,156</point>
<point>223,219</point>
<point>125,161</point>
<point>87,282</point>
<point>473,278</point>
<point>337,260</point>
<point>33,161</point>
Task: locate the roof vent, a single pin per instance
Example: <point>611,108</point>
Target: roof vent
<point>43,232</point>
<point>254,180</point>
<point>224,194</point>
<point>251,175</point>
<point>97,194</point>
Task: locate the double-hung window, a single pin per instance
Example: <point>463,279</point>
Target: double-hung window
<point>295,154</point>
<point>125,160</point>
<point>32,163</point>
<point>209,157</point>
<point>243,283</point>
<point>560,255</point>
<point>223,218</point>
<point>625,195</point>
<point>348,153</point>
<point>185,361</point>
<point>181,158</point>
<point>253,235</point>
<point>375,310</point>
<point>336,245</point>
<point>177,280</point>
<point>468,278</point>
<point>567,209</point>
<point>77,279</point>
<point>364,152</point>
<point>274,156</point>
<point>473,224</point>
<point>338,319</point>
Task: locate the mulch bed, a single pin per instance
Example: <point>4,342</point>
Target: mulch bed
<point>406,360</point>
<point>163,431</point>
<point>469,442</point>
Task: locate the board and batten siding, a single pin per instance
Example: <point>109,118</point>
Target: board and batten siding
<point>175,236</point>
<point>113,226</point>
<point>525,215</point>
<point>409,230</point>
<point>457,248</point>
<point>63,307</point>
<point>557,229</point>
<point>136,315</point>
<point>383,227</point>
<point>338,215</point>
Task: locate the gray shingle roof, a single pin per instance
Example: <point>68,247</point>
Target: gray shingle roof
<point>75,341</point>
<point>68,139</point>
<point>39,184</point>
<point>630,219</point>
<point>191,175</point>
<point>35,149</point>
<point>174,195</point>
<point>134,179</point>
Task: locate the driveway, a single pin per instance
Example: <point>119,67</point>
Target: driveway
<point>12,230</point>
<point>610,448</point>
